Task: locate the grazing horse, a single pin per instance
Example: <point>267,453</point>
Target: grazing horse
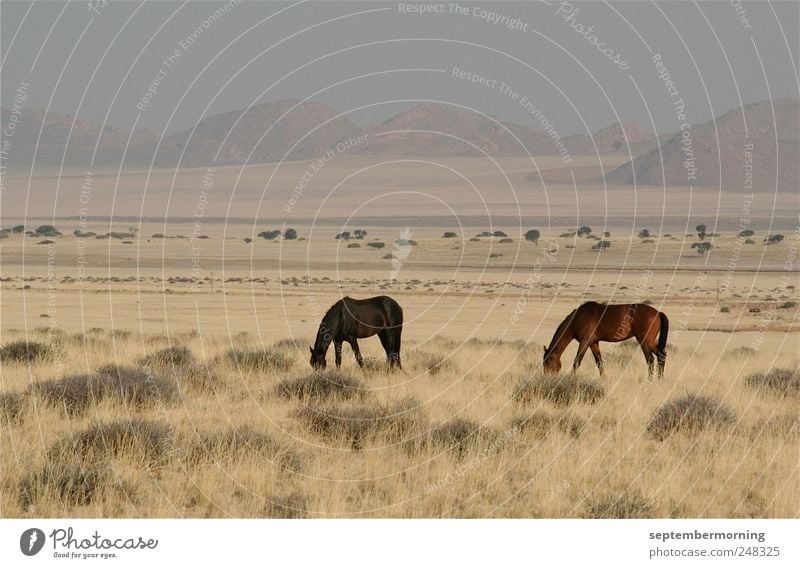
<point>350,320</point>
<point>593,322</point>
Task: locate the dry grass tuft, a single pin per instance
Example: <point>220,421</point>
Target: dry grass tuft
<point>168,358</point>
<point>130,385</point>
<point>692,414</point>
<point>541,424</point>
<point>561,390</point>
<point>23,351</point>
<point>321,385</point>
<point>784,382</point>
<point>461,435</point>
<point>12,407</point>
<point>434,363</point>
<point>260,360</point>
<point>198,377</point>
<point>144,441</point>
<point>70,484</point>
<point>619,505</point>
<point>239,443</point>
<point>744,352</point>
<point>357,424</point>
<point>784,426</point>
<point>290,506</point>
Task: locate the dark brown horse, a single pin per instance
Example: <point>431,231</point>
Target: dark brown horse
<point>593,322</point>
<point>350,320</point>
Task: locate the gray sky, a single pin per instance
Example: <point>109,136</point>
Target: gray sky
<point>101,64</point>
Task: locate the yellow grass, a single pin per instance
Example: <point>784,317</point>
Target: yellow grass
<point>505,470</point>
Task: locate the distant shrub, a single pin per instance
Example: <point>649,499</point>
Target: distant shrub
<point>725,310</point>
<point>644,234</point>
<point>327,384</point>
<point>376,245</point>
<point>248,240</point>
<point>290,234</point>
<point>18,229</point>
<point>773,239</point>
<point>619,505</point>
<point>778,381</point>
<point>353,246</point>
<point>499,234</point>
<point>746,233</point>
<point>495,255</point>
<point>786,426</point>
<point>787,305</point>
<point>583,231</point>
<point>506,240</point>
<point>23,351</point>
<point>261,360</point>
<point>692,414</point>
<point>474,239</point>
<point>601,245</point>
<point>749,242</point>
<point>449,235</point>
<point>702,248</point>
<point>561,390</point>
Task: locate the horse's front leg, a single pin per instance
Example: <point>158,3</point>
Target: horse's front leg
<point>582,348</point>
<point>595,347</point>
<point>337,351</point>
<point>357,352</point>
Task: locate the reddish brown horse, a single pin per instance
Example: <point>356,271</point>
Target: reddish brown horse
<point>350,320</point>
<point>593,322</point>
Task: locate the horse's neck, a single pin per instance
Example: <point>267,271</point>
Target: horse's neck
<point>561,338</point>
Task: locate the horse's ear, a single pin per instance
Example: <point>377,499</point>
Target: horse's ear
<point>545,348</point>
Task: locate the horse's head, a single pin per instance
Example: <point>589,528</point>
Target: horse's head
<point>318,360</point>
<point>551,363</point>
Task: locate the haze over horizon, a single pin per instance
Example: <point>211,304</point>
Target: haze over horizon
<point>372,60</point>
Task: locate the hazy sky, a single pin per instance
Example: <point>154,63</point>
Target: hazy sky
<point>583,65</point>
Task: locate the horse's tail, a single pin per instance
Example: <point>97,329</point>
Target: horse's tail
<point>662,341</point>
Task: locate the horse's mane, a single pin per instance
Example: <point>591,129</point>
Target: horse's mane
<point>330,310</point>
<point>562,328</point>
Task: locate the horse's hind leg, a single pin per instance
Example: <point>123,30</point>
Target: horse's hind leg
<point>649,357</point>
<point>392,346</point>
<point>595,347</point>
<point>356,351</point>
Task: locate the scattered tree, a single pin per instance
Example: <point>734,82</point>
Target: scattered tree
<point>47,231</point>
<point>359,234</point>
<point>499,234</point>
<point>533,236</point>
<point>376,245</point>
<point>344,236</point>
<point>584,231</point>
<point>270,235</point>
<point>601,245</point>
<point>773,239</point>
<point>701,233</point>
<point>644,234</point>
<point>18,229</point>
<point>248,240</point>
<point>702,247</point>
<point>290,235</point>
<point>746,233</point>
